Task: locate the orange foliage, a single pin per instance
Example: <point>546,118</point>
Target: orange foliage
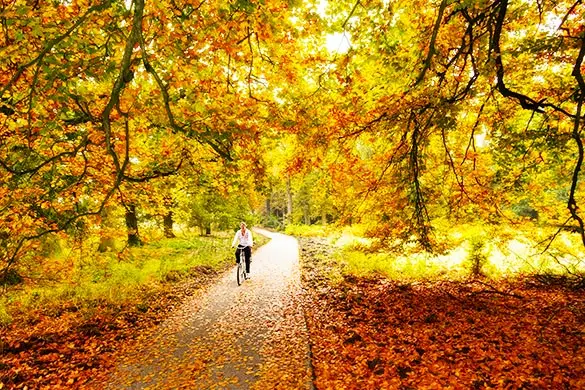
<point>376,334</point>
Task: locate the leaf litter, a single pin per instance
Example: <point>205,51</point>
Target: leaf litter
<point>372,333</point>
<point>365,333</point>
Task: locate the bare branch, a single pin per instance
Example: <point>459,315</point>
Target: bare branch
<point>472,135</point>
<point>350,14</point>
<point>431,52</point>
<point>525,101</point>
<point>570,11</point>
<point>576,135</point>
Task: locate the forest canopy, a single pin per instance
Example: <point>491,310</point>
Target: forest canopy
<point>409,118</point>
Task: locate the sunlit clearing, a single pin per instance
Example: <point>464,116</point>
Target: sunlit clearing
<point>495,259</point>
<point>338,42</point>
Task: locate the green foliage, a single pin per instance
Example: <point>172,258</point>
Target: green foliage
<point>109,279</point>
<point>207,210</point>
<point>273,222</point>
<point>10,277</point>
<point>307,230</point>
<point>476,258</point>
<point>401,268</point>
<point>480,250</point>
<point>524,209</point>
<point>5,318</point>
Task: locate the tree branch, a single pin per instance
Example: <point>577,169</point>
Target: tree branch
<point>167,106</point>
<point>525,101</point>
<point>71,153</point>
<point>119,84</point>
<point>350,14</point>
<point>431,52</point>
<point>52,44</point>
<point>154,175</point>
<point>576,135</point>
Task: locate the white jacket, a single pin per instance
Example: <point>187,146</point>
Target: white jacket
<point>243,239</point>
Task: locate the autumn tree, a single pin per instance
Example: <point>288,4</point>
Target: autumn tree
<point>99,94</point>
<point>456,110</point>
<point>453,110</point>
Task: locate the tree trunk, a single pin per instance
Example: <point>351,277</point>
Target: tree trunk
<point>268,211</point>
<point>168,223</point>
<point>306,215</point>
<point>289,203</point>
<point>323,217</point>
<point>132,226</point>
<point>208,229</point>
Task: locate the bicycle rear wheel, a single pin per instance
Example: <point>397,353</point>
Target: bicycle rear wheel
<point>240,273</point>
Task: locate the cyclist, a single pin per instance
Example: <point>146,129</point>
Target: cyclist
<point>244,239</point>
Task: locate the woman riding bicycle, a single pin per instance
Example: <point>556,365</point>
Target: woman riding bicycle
<point>244,240</point>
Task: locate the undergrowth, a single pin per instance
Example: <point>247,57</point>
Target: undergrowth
<point>95,280</point>
<point>492,252</point>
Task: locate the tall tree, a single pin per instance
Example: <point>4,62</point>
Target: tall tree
<point>89,89</point>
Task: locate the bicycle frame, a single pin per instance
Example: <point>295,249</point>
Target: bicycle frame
<point>241,268</point>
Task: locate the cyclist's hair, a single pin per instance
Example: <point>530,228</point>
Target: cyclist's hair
<point>242,223</point>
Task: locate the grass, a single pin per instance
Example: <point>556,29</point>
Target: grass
<point>99,279</point>
<point>396,267</point>
<point>495,252</point>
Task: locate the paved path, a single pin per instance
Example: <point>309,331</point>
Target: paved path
<point>249,337</point>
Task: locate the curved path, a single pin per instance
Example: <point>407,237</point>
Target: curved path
<point>249,337</point>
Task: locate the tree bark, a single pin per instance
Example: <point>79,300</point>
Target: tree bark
<point>168,224</point>
<point>289,203</point>
<point>132,226</point>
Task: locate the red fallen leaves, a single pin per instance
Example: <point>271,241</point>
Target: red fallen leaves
<point>286,349</point>
<point>365,334</point>
<point>70,351</point>
<point>53,352</point>
<point>376,334</point>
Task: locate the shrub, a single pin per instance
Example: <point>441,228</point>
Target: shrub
<point>476,258</point>
<point>10,277</point>
<point>5,318</point>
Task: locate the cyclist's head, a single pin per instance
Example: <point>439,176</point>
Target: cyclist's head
<point>242,224</point>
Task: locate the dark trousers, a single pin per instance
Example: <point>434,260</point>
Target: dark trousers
<point>247,254</point>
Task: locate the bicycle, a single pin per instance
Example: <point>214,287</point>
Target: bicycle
<point>241,269</point>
